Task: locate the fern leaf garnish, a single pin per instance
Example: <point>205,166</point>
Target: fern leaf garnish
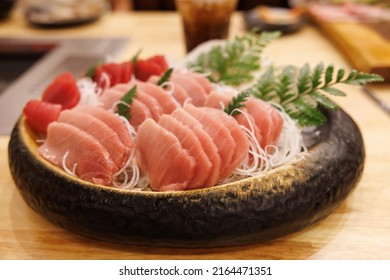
<point>125,103</point>
<point>301,91</point>
<point>238,102</point>
<point>234,62</point>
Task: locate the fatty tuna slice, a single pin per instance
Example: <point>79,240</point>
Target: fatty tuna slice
<point>166,101</point>
<point>112,120</point>
<point>191,143</point>
<point>218,100</point>
<point>138,113</point>
<point>241,147</point>
<point>208,145</point>
<point>119,153</point>
<point>84,153</point>
<point>218,132</point>
<point>149,101</point>
<point>110,98</point>
<point>202,80</point>
<point>161,156</point>
<point>263,120</point>
<point>179,94</point>
<point>277,122</point>
<point>191,86</point>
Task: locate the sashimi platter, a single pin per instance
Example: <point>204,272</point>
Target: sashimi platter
<point>223,149</point>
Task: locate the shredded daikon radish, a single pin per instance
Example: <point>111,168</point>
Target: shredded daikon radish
<point>129,176</point>
<point>89,92</point>
<point>168,87</point>
<point>71,172</point>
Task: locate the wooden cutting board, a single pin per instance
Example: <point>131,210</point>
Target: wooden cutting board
<point>367,46</point>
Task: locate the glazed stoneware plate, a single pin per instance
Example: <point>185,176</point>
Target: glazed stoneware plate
<point>280,202</point>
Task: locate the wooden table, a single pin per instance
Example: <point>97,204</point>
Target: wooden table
<point>358,229</point>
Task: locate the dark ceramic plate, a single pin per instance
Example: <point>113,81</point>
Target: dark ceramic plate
<point>283,201</point>
<point>252,20</point>
<point>41,17</point>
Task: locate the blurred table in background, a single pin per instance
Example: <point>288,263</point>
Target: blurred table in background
<point>358,229</point>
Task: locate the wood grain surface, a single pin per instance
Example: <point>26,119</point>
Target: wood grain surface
<point>358,229</point>
<point>365,46</point>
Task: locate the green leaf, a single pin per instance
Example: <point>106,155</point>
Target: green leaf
<point>91,71</point>
<point>360,78</point>
<point>333,91</point>
<point>316,79</point>
<point>340,75</point>
<point>329,74</point>
<point>135,57</point>
<point>265,87</point>
<point>304,80</point>
<point>237,102</point>
<point>126,101</point>
<point>285,87</point>
<point>234,62</point>
<point>308,115</point>
<point>323,100</point>
<point>165,77</point>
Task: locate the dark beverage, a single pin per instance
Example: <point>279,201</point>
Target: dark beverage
<point>205,19</point>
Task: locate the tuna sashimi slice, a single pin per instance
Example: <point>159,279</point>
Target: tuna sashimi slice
<point>241,147</point>
<point>161,156</point>
<point>180,94</point>
<point>218,100</point>
<point>263,120</point>
<point>209,146</point>
<point>149,101</point>
<point>277,122</point>
<point>191,86</point>
<point>110,98</point>
<point>138,110</point>
<point>166,101</point>
<point>119,153</point>
<point>138,113</point>
<point>84,153</point>
<point>202,80</point>
<point>190,142</point>
<point>112,120</point>
<point>218,132</point>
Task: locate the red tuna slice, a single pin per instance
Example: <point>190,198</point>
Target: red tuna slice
<point>149,101</point>
<point>263,120</point>
<point>166,101</point>
<point>112,120</point>
<point>84,153</point>
<point>218,132</point>
<point>202,80</point>
<point>208,145</point>
<point>191,86</point>
<point>191,143</point>
<point>119,153</point>
<point>161,156</point>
